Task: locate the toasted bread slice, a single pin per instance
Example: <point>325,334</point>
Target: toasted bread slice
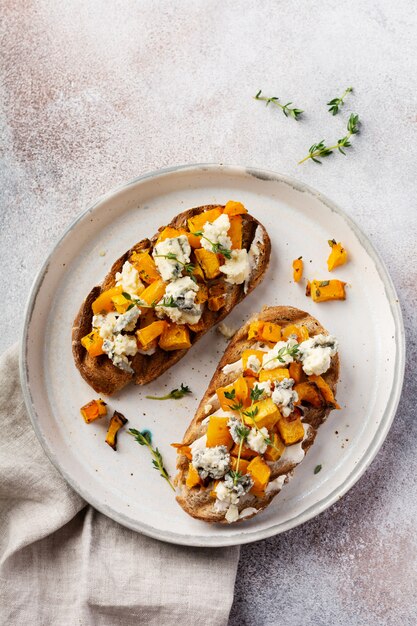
<point>199,501</point>
<point>100,373</point>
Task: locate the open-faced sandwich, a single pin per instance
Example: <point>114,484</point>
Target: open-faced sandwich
<point>271,391</point>
<point>163,294</point>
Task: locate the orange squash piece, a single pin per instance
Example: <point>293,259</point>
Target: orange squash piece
<point>170,233</point>
<point>247,371</point>
<point>202,294</point>
<point>296,372</point>
<point>116,423</point>
<point>246,452</point>
<point>267,414</point>
<point>209,263</point>
<point>234,208</point>
<point>196,223</point>
<point>104,303</point>
<point>93,343</point>
<point>145,265</point>
<point>308,392</point>
<point>239,390</point>
<point>278,374</point>
<point>324,290</point>
<point>276,450</point>
<point>291,430</point>
<point>193,477</point>
<point>235,232</point>
<point>121,303</point>
<point>154,292</point>
<point>301,332</point>
<point>260,473</point>
<point>182,449</point>
<point>218,433</point>
<point>297,267</point>
<point>243,464</point>
<point>255,330</point>
<point>325,391</point>
<point>93,410</point>
<point>149,333</point>
<point>175,337</point>
<point>271,332</point>
<point>338,256</point>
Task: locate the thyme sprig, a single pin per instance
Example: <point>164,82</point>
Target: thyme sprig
<point>175,394</point>
<point>144,438</point>
<point>336,103</point>
<point>138,302</point>
<point>218,248</point>
<point>321,150</point>
<point>168,302</point>
<point>284,351</point>
<point>288,112</point>
<point>188,267</point>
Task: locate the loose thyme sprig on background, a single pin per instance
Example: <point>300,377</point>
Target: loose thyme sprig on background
<point>294,113</point>
<point>321,150</point>
<point>338,102</point>
<point>144,438</point>
<point>175,394</point>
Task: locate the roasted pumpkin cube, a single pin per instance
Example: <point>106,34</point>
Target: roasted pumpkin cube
<point>300,332</point>
<point>234,208</point>
<point>121,304</point>
<point>267,414</point>
<point>196,223</point>
<point>278,374</point>
<point>175,337</point>
<point>209,263</point>
<point>154,292</point>
<point>116,423</point>
<point>202,294</point>
<point>93,343</point>
<point>193,477</point>
<point>325,391</point>
<point>323,290</point>
<point>308,393</point>
<point>291,430</point>
<point>246,452</point>
<point>93,410</point>
<point>104,302</point>
<point>238,393</point>
<point>271,332</point>
<point>297,267</point>
<point>218,433</point>
<point>149,333</point>
<point>247,369</point>
<point>215,303</point>
<point>235,232</point>
<point>170,233</point>
<point>182,449</point>
<point>198,326</point>
<point>243,464</point>
<point>255,330</point>
<point>193,240</point>
<point>276,449</point>
<point>338,256</point>
<point>296,372</point>
<point>146,266</point>
<point>260,473</point>
<point>198,272</point>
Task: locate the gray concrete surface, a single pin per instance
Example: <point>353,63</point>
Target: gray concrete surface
<point>95,93</point>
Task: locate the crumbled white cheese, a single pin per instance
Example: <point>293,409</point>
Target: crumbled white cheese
<point>254,253</point>
<point>237,267</point>
<point>119,348</point>
<point>265,387</point>
<point>284,396</point>
<point>198,444</point>
<point>226,331</point>
<point>214,462</point>
<point>216,233</point>
<point>256,439</point>
<point>176,246</point>
<point>233,368</point>
<point>271,360</point>
<point>183,292</point>
<point>276,484</point>
<point>127,321</point>
<point>229,493</point>
<point>232,514</point>
<point>106,324</point>
<point>253,363</point>
<point>295,453</point>
<point>129,279</point>
<point>316,353</point>
<point>250,510</point>
<point>208,408</point>
<point>235,427</point>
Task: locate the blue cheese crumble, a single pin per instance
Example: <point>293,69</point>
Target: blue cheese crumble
<point>178,247</point>
<point>272,359</point>
<point>183,292</point>
<point>316,353</point>
<point>236,268</point>
<point>256,439</point>
<point>284,396</point>
<point>216,233</point>
<point>213,462</point>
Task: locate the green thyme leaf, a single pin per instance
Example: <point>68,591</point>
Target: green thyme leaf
<point>285,108</point>
<point>317,469</point>
<point>336,103</point>
<point>175,394</point>
<point>144,438</point>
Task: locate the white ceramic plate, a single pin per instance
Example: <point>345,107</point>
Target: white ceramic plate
<point>123,484</point>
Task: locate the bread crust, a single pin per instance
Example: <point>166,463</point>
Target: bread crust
<point>106,378</point>
<point>197,502</point>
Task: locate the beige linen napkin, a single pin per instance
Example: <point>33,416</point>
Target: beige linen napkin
<point>63,563</point>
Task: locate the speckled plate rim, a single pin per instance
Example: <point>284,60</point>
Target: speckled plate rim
<point>248,536</point>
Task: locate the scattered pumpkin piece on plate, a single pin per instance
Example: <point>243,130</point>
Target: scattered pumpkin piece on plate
<point>298,266</point>
<point>323,290</point>
<point>338,256</point>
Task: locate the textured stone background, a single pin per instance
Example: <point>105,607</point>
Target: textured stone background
<point>94,93</point>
